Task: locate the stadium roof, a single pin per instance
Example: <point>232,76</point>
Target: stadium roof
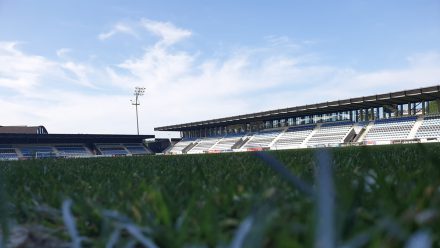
<point>17,138</point>
<point>23,129</point>
<point>399,97</point>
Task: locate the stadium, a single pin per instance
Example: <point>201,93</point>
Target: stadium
<point>408,116</point>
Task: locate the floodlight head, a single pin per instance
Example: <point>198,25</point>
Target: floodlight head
<point>139,91</point>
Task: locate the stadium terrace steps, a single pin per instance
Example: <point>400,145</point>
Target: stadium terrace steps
<point>189,147</point>
<point>20,155</point>
<point>304,143</point>
<point>278,137</point>
<point>292,137</point>
<point>208,144</point>
<point>429,128</point>
<point>204,145</point>
<point>386,130</point>
<point>180,146</point>
<point>365,131</point>
<point>330,134</point>
<point>412,133</point>
<point>241,142</point>
<point>227,143</point>
<point>261,140</point>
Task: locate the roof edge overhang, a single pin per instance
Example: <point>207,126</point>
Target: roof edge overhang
<point>19,138</point>
<point>399,97</point>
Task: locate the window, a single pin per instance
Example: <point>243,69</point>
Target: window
<point>282,122</point>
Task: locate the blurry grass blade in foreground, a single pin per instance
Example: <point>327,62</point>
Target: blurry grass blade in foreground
<point>324,235</point>
<point>286,174</point>
<point>137,233</point>
<point>420,239</point>
<point>69,222</point>
<point>253,229</point>
<point>4,230</point>
<point>242,232</point>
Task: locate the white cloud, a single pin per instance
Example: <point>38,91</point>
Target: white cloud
<point>19,71</point>
<point>168,33</point>
<point>61,53</point>
<point>80,73</point>
<point>116,29</point>
<point>282,41</point>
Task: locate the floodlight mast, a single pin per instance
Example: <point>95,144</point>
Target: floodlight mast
<point>138,91</point>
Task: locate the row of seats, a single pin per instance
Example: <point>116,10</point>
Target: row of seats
<point>261,139</point>
<point>73,150</point>
<point>137,149</point>
<point>38,152</point>
<point>227,142</point>
<point>293,137</point>
<point>430,128</point>
<point>331,134</point>
<point>122,149</point>
<point>391,129</point>
<point>181,145</point>
<point>204,145</point>
<point>70,150</point>
<point>8,153</point>
<point>328,134</point>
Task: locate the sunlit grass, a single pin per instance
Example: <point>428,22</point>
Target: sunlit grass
<point>384,196</point>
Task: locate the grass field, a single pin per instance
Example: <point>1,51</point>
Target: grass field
<point>384,196</point>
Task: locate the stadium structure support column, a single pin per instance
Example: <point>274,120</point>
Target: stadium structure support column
<point>438,105</point>
<point>427,107</point>
<point>414,108</point>
<point>423,108</point>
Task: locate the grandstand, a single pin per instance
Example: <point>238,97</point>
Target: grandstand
<point>398,117</point>
<point>21,142</point>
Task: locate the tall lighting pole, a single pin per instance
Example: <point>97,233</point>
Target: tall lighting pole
<point>138,91</point>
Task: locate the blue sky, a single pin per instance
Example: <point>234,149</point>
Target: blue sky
<point>72,65</point>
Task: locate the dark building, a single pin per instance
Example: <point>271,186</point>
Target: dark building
<point>22,142</point>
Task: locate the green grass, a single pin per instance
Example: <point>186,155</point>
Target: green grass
<point>383,193</point>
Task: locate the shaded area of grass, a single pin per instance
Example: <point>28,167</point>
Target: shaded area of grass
<point>383,195</point>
